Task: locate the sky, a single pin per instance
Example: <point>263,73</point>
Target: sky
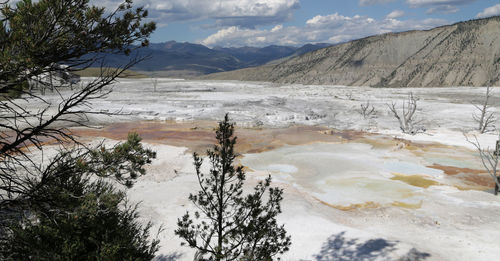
<point>236,23</point>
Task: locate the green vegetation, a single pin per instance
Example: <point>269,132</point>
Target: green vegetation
<point>15,92</point>
<point>76,29</point>
<point>66,207</point>
<point>229,225</point>
<point>76,216</point>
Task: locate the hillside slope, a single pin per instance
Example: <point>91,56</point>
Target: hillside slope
<point>174,59</point>
<point>462,54</point>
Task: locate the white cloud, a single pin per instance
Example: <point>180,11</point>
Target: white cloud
<point>333,28</point>
<point>236,36</point>
<point>373,2</point>
<point>277,28</point>
<point>246,13</point>
<point>395,14</point>
<point>439,6</point>
<point>442,9</point>
<point>422,3</point>
<point>330,20</point>
<point>490,11</point>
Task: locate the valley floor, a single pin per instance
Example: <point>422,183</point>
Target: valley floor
<point>355,188</point>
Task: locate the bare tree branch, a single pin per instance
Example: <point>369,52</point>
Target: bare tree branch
<point>37,55</point>
<point>405,116</point>
<point>489,159</point>
<point>485,118</point>
<point>367,110</point>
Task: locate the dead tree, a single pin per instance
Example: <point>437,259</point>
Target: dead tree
<point>489,159</point>
<point>406,119</point>
<point>367,110</point>
<point>348,96</point>
<point>484,117</point>
<point>154,80</point>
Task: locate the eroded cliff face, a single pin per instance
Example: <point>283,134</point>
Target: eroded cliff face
<point>463,54</point>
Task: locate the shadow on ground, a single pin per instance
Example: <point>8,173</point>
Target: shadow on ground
<point>170,257</point>
<point>340,248</point>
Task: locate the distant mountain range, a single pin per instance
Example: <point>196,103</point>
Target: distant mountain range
<point>174,59</point>
<point>462,54</point>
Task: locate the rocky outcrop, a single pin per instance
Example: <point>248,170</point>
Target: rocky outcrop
<point>462,54</point>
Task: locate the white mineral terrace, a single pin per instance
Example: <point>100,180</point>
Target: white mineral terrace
<point>355,188</point>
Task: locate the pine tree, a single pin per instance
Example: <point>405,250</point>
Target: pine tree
<point>77,214</point>
<point>66,207</point>
<point>37,36</point>
<point>229,225</point>
<point>36,39</point>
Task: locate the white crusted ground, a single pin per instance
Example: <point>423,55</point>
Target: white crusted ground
<point>449,224</point>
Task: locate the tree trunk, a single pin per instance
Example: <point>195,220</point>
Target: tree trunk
<point>496,186</point>
<point>51,82</point>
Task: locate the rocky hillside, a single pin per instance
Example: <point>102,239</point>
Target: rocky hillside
<point>462,54</point>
